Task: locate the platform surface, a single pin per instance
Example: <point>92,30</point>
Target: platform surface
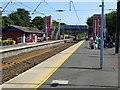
<point>36,75</point>
<point>75,67</point>
<point>81,70</point>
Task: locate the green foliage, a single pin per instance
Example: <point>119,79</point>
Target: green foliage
<point>55,23</point>
<point>62,24</point>
<point>64,34</point>
<point>35,26</point>
<point>21,17</point>
<point>6,21</point>
<point>37,22</point>
<point>90,21</point>
<point>4,38</point>
<point>62,31</point>
<point>82,35</point>
<point>3,23</point>
<point>111,22</point>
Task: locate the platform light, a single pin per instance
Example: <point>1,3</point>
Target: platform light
<point>60,10</point>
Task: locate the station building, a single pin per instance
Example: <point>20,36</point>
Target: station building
<point>21,34</point>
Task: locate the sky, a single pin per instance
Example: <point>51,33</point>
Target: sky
<point>84,9</point>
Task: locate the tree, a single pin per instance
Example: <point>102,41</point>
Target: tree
<point>55,23</point>
<point>111,22</point>
<point>90,21</point>
<point>3,23</point>
<point>38,22</point>
<point>6,21</point>
<point>62,24</point>
<point>21,17</point>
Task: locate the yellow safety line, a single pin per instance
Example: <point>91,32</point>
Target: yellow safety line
<point>57,67</point>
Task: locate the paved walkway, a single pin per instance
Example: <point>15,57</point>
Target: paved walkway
<point>75,67</point>
<point>31,78</point>
<point>81,70</point>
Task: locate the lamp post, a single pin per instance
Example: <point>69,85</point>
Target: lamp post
<point>118,28</point>
<point>1,20</point>
<point>102,23</point>
<point>1,44</point>
<point>46,28</point>
<point>0,24</point>
<point>60,10</point>
<point>59,27</point>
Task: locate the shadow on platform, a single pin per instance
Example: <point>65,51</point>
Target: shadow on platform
<point>82,68</point>
<point>89,68</point>
<point>104,86</point>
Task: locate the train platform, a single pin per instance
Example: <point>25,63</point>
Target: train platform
<point>76,67</point>
<point>26,45</point>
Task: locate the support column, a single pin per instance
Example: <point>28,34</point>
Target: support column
<point>102,23</point>
<point>118,28</point>
<point>23,37</point>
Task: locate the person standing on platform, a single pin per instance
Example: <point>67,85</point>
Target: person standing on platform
<point>91,43</point>
<point>86,37</point>
<point>99,43</point>
<point>96,42</point>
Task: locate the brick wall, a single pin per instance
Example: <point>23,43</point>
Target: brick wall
<point>14,35</point>
<point>48,21</point>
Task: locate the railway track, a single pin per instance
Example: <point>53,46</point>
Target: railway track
<point>21,57</point>
<point>16,65</point>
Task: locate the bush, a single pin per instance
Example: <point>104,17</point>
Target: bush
<point>4,38</point>
<point>82,35</point>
